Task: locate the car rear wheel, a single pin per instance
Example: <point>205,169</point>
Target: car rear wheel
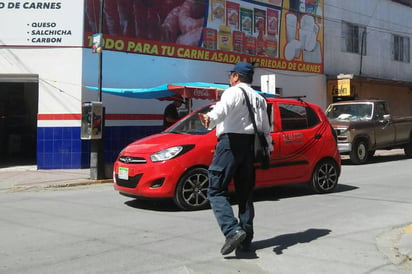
<point>408,149</point>
<point>191,191</point>
<point>359,153</point>
<point>325,176</point>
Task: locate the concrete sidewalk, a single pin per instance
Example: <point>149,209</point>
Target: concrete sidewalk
<point>21,178</point>
<point>24,177</point>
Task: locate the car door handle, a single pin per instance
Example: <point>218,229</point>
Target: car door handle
<point>318,136</point>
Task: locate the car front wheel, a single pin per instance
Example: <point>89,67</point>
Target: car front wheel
<point>325,176</point>
<point>359,153</point>
<point>191,190</point>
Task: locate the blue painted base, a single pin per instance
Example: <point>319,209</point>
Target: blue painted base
<point>62,148</point>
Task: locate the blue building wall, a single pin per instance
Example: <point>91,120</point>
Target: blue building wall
<point>62,148</point>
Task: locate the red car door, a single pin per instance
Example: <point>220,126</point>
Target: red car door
<point>295,143</point>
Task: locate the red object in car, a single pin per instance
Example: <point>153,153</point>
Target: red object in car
<point>173,164</point>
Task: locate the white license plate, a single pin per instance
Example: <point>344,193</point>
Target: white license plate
<point>123,173</point>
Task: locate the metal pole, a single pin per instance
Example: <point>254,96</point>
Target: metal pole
<point>100,52</point>
<point>96,145</point>
<point>361,52</point>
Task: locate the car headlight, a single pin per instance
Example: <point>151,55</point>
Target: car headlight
<point>170,153</point>
<point>342,131</point>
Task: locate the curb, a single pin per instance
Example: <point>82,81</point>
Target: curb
<point>22,187</point>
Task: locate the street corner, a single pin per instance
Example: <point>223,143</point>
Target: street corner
<point>404,248</point>
<point>396,245</point>
<point>408,229</point>
<point>405,243</point>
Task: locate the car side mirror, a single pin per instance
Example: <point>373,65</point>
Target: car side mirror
<point>386,117</point>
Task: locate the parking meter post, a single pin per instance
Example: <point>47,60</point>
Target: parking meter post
<point>96,160</point>
<point>97,169</point>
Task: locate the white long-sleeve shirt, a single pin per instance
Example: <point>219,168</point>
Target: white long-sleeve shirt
<point>231,114</point>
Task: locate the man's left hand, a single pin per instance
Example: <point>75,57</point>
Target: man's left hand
<point>204,119</point>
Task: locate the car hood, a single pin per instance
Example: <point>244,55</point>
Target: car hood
<point>339,123</point>
<point>349,123</point>
<point>162,141</point>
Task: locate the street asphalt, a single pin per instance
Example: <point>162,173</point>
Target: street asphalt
<point>20,178</point>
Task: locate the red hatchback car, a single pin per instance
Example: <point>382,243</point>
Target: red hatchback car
<point>174,163</point>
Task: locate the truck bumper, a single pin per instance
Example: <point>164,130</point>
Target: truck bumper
<point>344,147</point>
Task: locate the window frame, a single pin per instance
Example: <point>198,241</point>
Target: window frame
<point>353,38</point>
<point>303,120</point>
<point>401,48</point>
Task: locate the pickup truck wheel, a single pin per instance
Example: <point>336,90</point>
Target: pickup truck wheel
<point>325,176</point>
<point>408,150</point>
<point>359,153</point>
<point>191,190</point>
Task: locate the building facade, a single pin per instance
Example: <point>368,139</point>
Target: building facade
<point>367,51</point>
<point>48,62</point>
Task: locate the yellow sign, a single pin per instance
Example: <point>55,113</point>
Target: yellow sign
<point>339,87</point>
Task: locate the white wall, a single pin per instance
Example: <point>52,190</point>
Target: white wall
<point>59,73</point>
<point>313,86</point>
<point>45,39</point>
<point>383,18</point>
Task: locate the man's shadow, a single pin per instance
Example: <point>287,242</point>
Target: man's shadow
<point>282,242</point>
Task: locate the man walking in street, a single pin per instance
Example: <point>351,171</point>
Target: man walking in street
<point>233,158</point>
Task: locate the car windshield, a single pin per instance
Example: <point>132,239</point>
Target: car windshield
<point>191,123</point>
<point>361,111</point>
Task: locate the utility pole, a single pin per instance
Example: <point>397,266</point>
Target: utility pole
<point>97,145</point>
<point>100,52</point>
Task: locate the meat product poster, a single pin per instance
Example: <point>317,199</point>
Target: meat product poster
<point>270,32</point>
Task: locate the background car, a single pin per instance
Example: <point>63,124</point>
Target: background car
<point>174,163</point>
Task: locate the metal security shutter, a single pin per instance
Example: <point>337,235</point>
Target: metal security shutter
<point>18,78</point>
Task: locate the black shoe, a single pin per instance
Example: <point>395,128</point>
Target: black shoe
<point>245,246</point>
<point>233,241</point>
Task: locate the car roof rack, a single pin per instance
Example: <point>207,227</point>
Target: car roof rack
<point>299,97</point>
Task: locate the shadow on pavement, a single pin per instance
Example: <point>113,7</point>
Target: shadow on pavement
<point>377,159</point>
<point>343,188</point>
<point>274,193</point>
<point>166,205</point>
<point>282,242</point>
<point>293,190</point>
<point>13,163</point>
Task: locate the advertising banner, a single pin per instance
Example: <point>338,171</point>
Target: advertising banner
<point>41,23</point>
<point>276,34</point>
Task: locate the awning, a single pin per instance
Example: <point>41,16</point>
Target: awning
<point>195,90</point>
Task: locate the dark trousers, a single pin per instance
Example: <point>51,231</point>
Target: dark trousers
<point>233,159</point>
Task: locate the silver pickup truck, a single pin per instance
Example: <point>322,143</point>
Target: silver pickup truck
<point>363,126</point>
